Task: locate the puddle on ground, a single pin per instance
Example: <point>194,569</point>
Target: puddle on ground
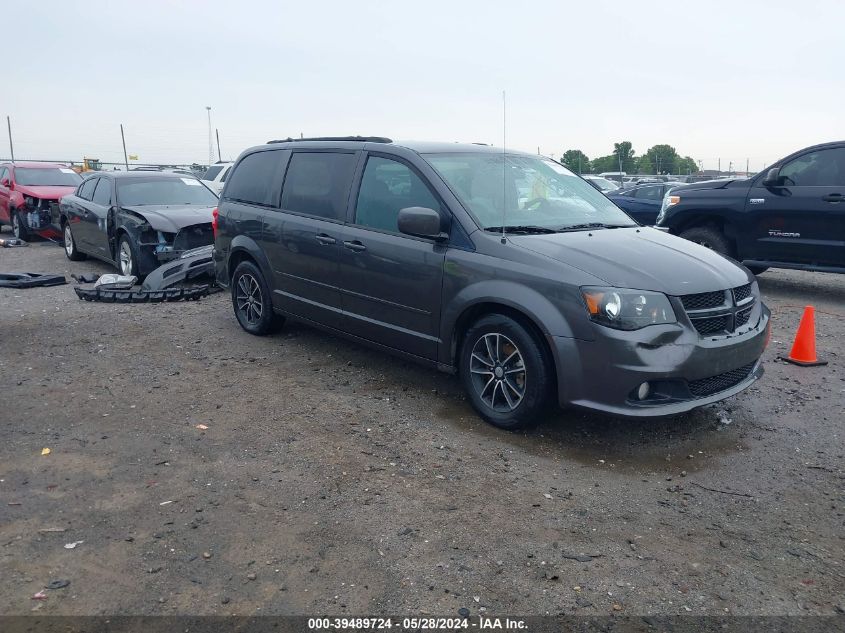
<point>690,442</point>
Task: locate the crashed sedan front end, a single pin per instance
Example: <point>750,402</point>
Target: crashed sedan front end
<point>162,234</point>
<point>169,246</point>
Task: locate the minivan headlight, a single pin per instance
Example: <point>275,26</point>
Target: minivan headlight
<point>625,309</point>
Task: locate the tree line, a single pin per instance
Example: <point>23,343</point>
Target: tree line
<point>659,159</point>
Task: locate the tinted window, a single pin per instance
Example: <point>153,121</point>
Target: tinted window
<point>45,177</point>
<point>3,173</point>
<point>157,191</point>
<point>254,178</point>
<point>212,172</point>
<point>824,168</point>
<point>87,189</point>
<point>225,173</point>
<point>318,183</point>
<point>653,192</point>
<point>102,194</point>
<point>387,187</point>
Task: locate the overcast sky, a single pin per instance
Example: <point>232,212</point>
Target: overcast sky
<point>732,80</point>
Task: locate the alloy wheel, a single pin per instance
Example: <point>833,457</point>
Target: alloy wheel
<point>16,225</point>
<point>498,372</point>
<point>68,240</point>
<point>125,257</point>
<point>248,299</point>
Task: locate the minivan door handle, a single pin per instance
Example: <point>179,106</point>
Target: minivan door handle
<point>355,245</point>
<point>325,239</point>
<point>834,197</point>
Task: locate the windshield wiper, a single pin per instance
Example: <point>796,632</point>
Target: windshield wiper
<point>526,228</point>
<point>595,225</point>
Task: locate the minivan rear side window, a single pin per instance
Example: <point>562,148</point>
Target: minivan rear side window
<point>317,183</point>
<point>254,179</point>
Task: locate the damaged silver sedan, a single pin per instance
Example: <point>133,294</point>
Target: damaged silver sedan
<point>136,220</point>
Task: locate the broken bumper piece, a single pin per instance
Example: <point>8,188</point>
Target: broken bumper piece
<point>107,295</point>
<point>190,265</point>
<point>30,280</point>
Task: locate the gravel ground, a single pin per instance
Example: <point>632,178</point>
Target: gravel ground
<point>335,480</point>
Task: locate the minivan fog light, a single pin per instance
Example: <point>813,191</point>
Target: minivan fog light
<point>644,391</point>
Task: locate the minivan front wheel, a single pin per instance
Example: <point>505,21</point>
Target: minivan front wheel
<point>506,372</point>
<point>251,301</point>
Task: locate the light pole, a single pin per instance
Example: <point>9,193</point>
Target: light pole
<point>210,142</point>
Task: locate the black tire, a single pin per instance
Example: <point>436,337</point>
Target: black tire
<point>126,247</point>
<point>251,301</point>
<point>19,227</point>
<point>71,251</point>
<point>711,237</point>
<point>479,375</point>
<point>758,270</point>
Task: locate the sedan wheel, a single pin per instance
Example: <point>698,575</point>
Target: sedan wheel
<point>70,245</point>
<point>17,226</point>
<point>125,258</point>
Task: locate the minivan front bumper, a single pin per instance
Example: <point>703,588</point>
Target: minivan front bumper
<point>683,369</point>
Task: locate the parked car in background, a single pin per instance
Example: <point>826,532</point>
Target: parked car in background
<point>615,176</point>
<point>791,215</point>
<point>137,220</point>
<point>28,193</point>
<point>216,175</point>
<point>642,201</point>
<point>602,184</point>
<point>525,281</point>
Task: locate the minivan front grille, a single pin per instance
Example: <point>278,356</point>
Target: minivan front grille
<point>742,293</point>
<point>714,384</point>
<point>703,300</point>
<point>711,325</point>
<point>719,312</point>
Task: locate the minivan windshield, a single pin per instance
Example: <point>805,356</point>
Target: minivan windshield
<point>525,194</point>
<point>164,191</point>
<point>46,177</point>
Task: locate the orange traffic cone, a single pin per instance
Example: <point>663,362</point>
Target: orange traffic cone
<point>804,348</point>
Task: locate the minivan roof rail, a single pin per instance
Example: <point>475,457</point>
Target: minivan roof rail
<point>360,139</point>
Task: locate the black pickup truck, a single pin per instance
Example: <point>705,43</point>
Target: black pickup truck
<point>791,215</point>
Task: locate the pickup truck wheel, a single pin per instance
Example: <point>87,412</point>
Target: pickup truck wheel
<point>71,251</point>
<point>251,301</point>
<point>709,236</point>
<point>19,227</point>
<point>506,372</point>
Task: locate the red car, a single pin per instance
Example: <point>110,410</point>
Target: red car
<point>29,196</point>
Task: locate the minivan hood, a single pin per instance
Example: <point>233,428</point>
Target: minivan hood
<point>169,218</point>
<point>641,258</point>
<point>44,192</point>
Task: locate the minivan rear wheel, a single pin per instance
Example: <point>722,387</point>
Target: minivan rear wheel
<point>506,372</point>
<point>251,301</point>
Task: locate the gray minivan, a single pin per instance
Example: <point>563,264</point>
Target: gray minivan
<point>505,268</point>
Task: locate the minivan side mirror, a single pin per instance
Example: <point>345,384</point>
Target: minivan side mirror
<point>773,178</point>
<point>5,182</point>
<point>421,222</point>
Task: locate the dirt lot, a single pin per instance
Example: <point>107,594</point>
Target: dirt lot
<point>332,479</point>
